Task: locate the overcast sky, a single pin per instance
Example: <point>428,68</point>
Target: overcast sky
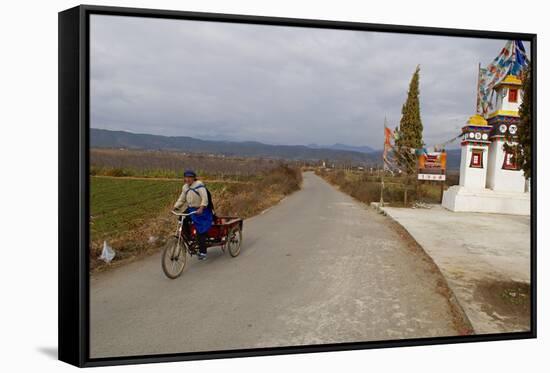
<point>278,85</point>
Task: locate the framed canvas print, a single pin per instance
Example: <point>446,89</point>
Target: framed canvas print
<point>235,186</point>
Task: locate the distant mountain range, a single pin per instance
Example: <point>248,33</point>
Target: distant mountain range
<point>336,153</point>
<point>101,138</point>
<point>337,146</point>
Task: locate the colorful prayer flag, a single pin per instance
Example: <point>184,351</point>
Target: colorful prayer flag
<point>511,60</point>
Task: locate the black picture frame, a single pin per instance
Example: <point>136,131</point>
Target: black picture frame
<point>74,186</point>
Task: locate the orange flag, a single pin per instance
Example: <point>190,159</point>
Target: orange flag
<point>387,136</point>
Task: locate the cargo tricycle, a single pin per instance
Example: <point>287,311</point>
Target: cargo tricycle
<point>225,232</point>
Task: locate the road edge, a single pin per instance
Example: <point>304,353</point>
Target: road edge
<point>456,308</point>
<point>461,321</point>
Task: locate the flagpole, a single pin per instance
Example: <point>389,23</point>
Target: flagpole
<point>477,93</point>
<point>382,187</point>
<point>383,167</point>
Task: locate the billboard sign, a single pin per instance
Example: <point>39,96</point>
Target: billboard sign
<point>432,166</point>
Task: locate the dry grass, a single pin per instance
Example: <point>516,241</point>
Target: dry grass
<point>268,189</point>
<point>366,188</point>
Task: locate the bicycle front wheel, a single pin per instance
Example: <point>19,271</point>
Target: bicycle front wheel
<point>174,258</point>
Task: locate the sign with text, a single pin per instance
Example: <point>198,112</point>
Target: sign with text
<point>432,166</point>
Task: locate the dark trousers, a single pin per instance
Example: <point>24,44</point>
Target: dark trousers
<point>201,237</point>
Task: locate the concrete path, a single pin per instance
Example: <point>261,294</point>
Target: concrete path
<point>317,268</point>
<point>485,259</point>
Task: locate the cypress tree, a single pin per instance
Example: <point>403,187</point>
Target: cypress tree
<point>410,127</point>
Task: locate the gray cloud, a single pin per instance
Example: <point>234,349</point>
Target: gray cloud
<point>282,85</point>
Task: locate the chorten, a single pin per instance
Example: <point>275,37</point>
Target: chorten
<point>490,181</point>
<point>503,173</point>
<point>474,154</point>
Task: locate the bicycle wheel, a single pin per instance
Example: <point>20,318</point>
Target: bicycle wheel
<point>174,258</point>
<point>234,240</point>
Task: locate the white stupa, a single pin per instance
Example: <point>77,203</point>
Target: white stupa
<point>490,181</point>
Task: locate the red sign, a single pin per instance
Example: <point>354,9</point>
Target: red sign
<point>431,166</point>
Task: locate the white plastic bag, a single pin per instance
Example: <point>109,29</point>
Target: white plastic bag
<point>107,254</point>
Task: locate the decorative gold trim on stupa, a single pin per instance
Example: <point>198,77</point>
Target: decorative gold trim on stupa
<point>505,113</point>
<point>477,120</point>
<point>509,80</point>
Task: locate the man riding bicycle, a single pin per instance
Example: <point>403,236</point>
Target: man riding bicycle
<point>195,198</point>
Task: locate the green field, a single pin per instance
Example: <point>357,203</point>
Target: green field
<point>120,204</point>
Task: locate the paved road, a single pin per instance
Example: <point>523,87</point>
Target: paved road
<point>317,268</point>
